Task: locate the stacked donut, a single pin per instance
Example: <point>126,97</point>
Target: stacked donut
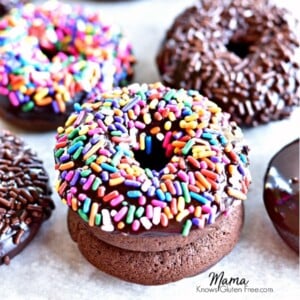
<point>52,56</point>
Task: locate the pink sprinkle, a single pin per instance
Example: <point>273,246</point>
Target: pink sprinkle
<point>149,211</point>
<point>136,225</point>
<point>104,152</point>
<point>89,182</point>
<point>142,200</point>
<point>69,176</point>
<point>169,150</point>
<point>73,190</point>
<point>191,178</point>
<point>116,201</point>
<point>191,209</point>
<point>159,203</point>
<point>206,209</point>
<point>13,99</point>
<point>139,125</point>
<point>183,176</point>
<point>82,197</point>
<point>167,139</point>
<point>121,214</point>
<point>203,165</point>
<point>4,91</point>
<point>69,198</point>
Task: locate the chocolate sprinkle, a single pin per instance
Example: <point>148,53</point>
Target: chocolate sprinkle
<point>24,192</point>
<point>241,54</point>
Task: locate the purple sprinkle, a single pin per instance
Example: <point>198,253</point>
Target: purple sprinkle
<point>95,139</point>
<point>64,158</point>
<point>214,159</point>
<point>111,127</point>
<point>63,174</point>
<point>87,147</point>
<point>132,183</point>
<point>82,180</point>
<point>151,191</point>
<point>241,170</point>
<point>121,127</point>
<point>55,107</point>
<point>208,196</point>
<point>178,189</point>
<point>155,182</point>
<point>75,178</point>
<point>105,176</point>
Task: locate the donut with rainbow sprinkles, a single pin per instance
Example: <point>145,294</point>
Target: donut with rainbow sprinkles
<point>153,177</point>
<point>53,55</point>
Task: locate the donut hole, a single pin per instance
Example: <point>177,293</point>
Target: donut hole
<point>155,159</point>
<point>239,48</point>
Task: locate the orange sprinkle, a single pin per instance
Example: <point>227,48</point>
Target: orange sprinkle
<point>155,130</point>
<point>164,221</point>
<point>210,174</point>
<point>198,212</point>
<point>110,196</point>
<point>121,225</point>
<point>66,166</point>
<point>95,167</point>
<point>93,213</point>
<point>173,206</point>
<point>168,213</point>
<point>203,180</point>
<point>193,161</point>
<point>74,204</point>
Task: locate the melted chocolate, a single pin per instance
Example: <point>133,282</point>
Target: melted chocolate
<point>281,193</point>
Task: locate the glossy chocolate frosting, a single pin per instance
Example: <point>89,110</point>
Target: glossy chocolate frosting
<point>281,193</point>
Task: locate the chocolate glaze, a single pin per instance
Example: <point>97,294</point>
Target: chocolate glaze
<point>281,193</point>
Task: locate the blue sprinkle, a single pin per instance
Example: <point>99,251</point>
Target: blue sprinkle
<point>134,194</point>
<point>207,135</point>
<point>117,157</point>
<point>243,158</point>
<point>77,107</point>
<point>86,205</point>
<point>213,141</point>
<point>160,195</point>
<point>196,222</point>
<point>168,197</point>
<point>199,198</point>
<point>109,168</point>
<point>148,144</point>
<point>74,147</point>
<point>223,140</point>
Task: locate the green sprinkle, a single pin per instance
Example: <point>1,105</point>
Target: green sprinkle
<point>91,159</point>
<point>83,215</point>
<point>85,173</point>
<point>73,133</point>
<point>130,214</point>
<point>185,191</point>
<point>96,183</point>
<point>149,173</point>
<point>77,153</point>
<point>98,218</point>
<point>78,139</point>
<point>124,203</point>
<point>187,228</point>
<point>116,133</point>
<point>142,95</point>
<point>139,212</point>
<point>169,95</point>
<point>188,146</point>
<point>59,152</point>
<point>117,157</point>
<point>28,106</point>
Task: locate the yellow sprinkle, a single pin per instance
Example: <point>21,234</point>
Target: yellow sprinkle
<point>153,103</point>
<point>168,212</point>
<point>121,225</point>
<point>198,211</point>
<point>83,130</point>
<point>180,204</point>
<point>94,210</point>
<point>101,159</point>
<point>60,129</point>
<point>163,187</point>
<point>232,170</point>
<point>182,215</point>
<point>236,194</point>
<point>172,117</point>
<point>64,201</point>
<point>167,125</point>
<point>203,154</point>
<point>131,114</point>
<point>147,118</point>
<point>71,120</point>
<point>57,184</point>
<point>69,130</point>
<point>142,141</point>
<point>94,149</point>
<point>116,181</point>
<point>191,117</point>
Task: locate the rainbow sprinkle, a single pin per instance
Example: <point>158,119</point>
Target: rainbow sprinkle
<point>51,53</point>
<point>108,156</point>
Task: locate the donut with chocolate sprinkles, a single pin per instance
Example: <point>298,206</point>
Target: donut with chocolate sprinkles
<point>243,55</point>
<point>25,196</point>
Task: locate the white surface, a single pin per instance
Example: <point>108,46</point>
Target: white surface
<point>52,268</point>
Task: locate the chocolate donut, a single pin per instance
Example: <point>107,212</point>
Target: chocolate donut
<point>53,55</point>
<point>25,201</point>
<point>281,193</point>
<point>242,54</point>
<point>146,170</point>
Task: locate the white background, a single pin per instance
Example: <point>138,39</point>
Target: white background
<point>51,267</point>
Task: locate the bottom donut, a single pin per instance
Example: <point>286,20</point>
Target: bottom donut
<point>160,267</point>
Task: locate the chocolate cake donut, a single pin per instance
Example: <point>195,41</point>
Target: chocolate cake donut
<point>242,54</point>
<point>25,201</point>
<point>53,55</point>
<point>281,193</point>
<point>155,174</point>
